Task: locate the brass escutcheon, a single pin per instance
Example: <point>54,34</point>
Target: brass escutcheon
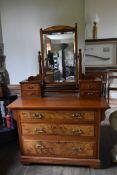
<point>77,131</point>
<point>37,115</point>
<point>40,148</point>
<point>90,93</point>
<point>39,130</point>
<point>77,150</point>
<point>78,115</point>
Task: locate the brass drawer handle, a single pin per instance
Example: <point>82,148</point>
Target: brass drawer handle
<point>77,131</point>
<point>24,114</point>
<point>39,130</point>
<point>77,150</point>
<point>37,115</point>
<point>30,87</point>
<point>89,93</point>
<point>40,148</point>
<point>78,115</point>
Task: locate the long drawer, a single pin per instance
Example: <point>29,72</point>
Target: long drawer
<point>55,129</point>
<point>54,116</point>
<point>64,148</point>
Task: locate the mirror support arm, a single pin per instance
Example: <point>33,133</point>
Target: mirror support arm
<point>80,64</point>
<point>76,57</point>
<point>40,62</point>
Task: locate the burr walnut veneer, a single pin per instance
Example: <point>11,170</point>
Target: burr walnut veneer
<point>59,130</point>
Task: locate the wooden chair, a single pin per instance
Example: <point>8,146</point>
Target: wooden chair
<point>112,81</point>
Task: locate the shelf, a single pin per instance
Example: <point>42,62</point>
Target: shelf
<point>103,40</point>
<point>101,68</point>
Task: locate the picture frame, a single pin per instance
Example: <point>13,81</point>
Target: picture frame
<point>100,53</point>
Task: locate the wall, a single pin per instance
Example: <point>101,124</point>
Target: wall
<point>106,11</point>
<point>21,22</point>
<point>1,39</point>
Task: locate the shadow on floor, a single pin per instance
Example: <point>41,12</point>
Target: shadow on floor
<point>107,140</point>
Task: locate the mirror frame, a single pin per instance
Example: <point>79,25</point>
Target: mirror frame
<point>60,29</point>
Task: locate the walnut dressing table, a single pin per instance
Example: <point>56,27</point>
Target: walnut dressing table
<point>59,130</point>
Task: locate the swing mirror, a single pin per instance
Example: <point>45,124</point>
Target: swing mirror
<point>59,54</point>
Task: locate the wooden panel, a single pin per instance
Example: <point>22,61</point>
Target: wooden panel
<point>55,129</point>
<point>94,74</point>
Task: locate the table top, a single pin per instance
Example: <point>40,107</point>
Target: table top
<point>59,102</point>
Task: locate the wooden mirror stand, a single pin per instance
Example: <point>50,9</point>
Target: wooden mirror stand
<point>60,65</point>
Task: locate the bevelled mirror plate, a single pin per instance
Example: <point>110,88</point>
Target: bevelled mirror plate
<point>59,57</point>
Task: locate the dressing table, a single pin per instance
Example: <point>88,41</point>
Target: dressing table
<point>55,124</point>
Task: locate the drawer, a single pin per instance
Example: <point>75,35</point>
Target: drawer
<point>90,86</point>
<point>31,93</point>
<point>88,93</point>
<point>64,148</point>
<point>30,86</point>
<point>57,116</point>
<point>58,129</point>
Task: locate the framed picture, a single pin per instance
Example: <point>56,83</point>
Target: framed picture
<point>100,54</point>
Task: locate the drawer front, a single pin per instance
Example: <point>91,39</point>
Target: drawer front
<point>90,86</point>
<point>59,148</point>
<point>56,116</point>
<point>30,93</point>
<point>57,129</point>
<point>30,86</point>
<point>88,93</point>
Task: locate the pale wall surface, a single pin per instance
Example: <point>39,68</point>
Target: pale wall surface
<point>106,10</point>
<point>1,39</point>
<point>21,23</point>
